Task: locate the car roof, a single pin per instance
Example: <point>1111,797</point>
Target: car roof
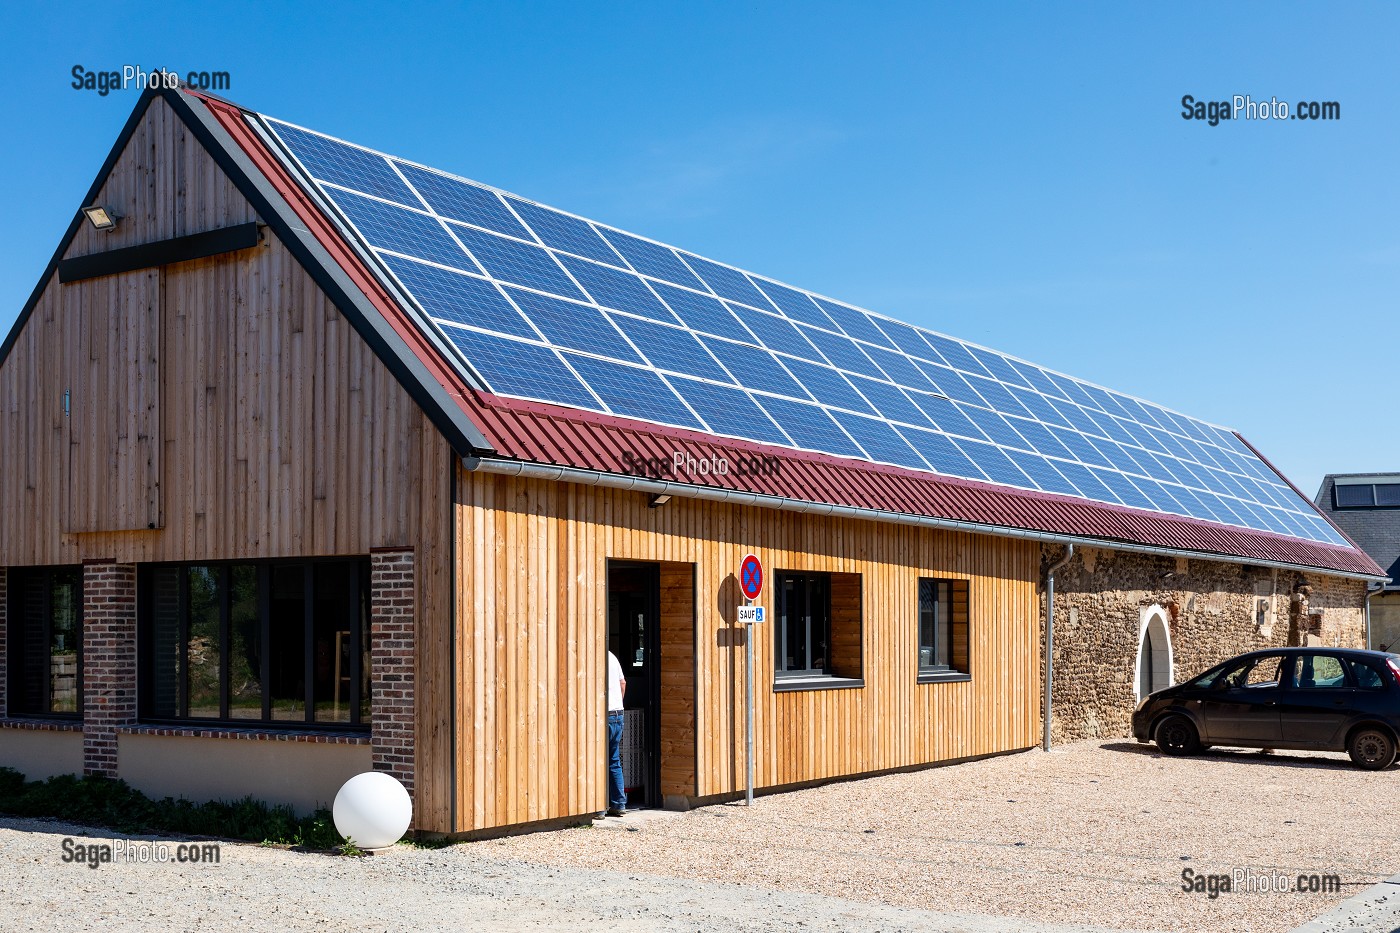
<point>1320,649</point>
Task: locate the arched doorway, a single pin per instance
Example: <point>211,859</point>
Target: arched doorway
<point>1154,657</point>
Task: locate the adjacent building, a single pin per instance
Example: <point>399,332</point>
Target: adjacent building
<point>321,460</point>
<point>1367,507</point>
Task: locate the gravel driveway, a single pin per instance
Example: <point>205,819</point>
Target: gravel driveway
<point>1091,836</point>
<point>1095,833</point>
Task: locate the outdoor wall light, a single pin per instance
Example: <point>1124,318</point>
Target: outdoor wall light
<point>658,500</point>
<point>100,217</point>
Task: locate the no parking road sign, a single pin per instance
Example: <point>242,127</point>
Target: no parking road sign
<point>751,576</point>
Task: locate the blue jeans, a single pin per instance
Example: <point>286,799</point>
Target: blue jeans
<point>617,790</point>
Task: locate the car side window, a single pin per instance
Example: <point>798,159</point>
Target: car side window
<point>1318,671</point>
<point>1366,676</point>
<point>1265,672</point>
<point>1260,672</point>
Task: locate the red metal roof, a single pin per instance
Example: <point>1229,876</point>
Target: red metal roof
<point>556,435</point>
<point>552,434</point>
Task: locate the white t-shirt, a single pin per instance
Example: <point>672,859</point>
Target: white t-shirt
<point>615,682</point>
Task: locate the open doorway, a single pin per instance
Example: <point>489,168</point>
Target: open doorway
<point>634,635</point>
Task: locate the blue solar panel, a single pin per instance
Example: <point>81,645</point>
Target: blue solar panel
<point>899,368</point>
<point>613,288</point>
<point>652,259</point>
<point>1039,406</point>
<point>458,200</point>
<point>564,232</point>
<point>728,283</point>
<point>999,366</point>
<point>956,355</point>
<point>809,426</point>
<point>630,391</point>
<point>942,454</point>
<point>670,348</point>
<point>517,263</point>
<point>995,426</point>
<point>348,166</point>
<point>855,323</point>
<point>947,415</point>
<point>795,304</point>
<point>881,442</point>
<point>755,368</point>
<point>632,315</point>
<point>387,227</point>
<point>1042,472</point>
<point>997,465</point>
<point>459,298</point>
<point>828,386</point>
<point>702,312</point>
<point>998,397</point>
<point>576,326</point>
<point>776,333</point>
<point>524,369</point>
<point>729,411</point>
<point>953,385</point>
<point>909,340</point>
<point>890,401</point>
<point>842,352</point>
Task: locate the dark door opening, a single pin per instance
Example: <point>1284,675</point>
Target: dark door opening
<point>634,635</point>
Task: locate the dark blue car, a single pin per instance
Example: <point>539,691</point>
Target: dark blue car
<point>1325,699</point>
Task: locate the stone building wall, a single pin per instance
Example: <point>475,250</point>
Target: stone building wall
<point>1210,610</point>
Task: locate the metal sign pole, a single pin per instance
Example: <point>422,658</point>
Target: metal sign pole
<point>748,692</point>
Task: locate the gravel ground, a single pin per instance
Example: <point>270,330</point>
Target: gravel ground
<point>1089,837</point>
<point>1095,833</point>
<point>461,888</point>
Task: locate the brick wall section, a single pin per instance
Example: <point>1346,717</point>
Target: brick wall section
<point>392,608</point>
<point>4,641</point>
<point>1099,599</point>
<point>109,660</point>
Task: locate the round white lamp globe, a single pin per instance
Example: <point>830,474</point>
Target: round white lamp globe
<point>372,810</point>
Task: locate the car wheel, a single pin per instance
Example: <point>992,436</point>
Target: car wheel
<point>1177,736</point>
<point>1372,749</point>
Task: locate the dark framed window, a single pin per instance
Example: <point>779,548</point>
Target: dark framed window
<point>943,629</point>
<point>802,634</point>
<point>46,642</point>
<point>271,643</point>
<point>1366,496</point>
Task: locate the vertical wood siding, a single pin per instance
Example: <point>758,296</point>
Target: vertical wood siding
<point>274,430</point>
<point>531,631</point>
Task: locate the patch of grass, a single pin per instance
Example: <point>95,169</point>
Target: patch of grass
<point>101,801</point>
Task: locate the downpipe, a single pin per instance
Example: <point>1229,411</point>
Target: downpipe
<point>1050,645</point>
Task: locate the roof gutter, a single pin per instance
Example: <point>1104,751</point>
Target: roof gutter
<point>568,474</point>
<point>1048,714</point>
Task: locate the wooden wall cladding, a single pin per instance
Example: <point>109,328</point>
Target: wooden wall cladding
<point>531,633</point>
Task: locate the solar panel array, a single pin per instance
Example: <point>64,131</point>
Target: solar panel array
<point>548,306</point>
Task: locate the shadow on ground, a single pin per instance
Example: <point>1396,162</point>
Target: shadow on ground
<point>1245,757</point>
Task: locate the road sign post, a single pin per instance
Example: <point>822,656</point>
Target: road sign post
<point>751,582</point>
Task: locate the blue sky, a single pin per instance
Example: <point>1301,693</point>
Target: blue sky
<point>1015,175</point>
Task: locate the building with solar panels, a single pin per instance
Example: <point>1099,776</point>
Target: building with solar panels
<point>324,461</point>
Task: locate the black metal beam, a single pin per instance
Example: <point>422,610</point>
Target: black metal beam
<point>160,253</point>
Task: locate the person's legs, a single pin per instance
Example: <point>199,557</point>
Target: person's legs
<point>617,791</point>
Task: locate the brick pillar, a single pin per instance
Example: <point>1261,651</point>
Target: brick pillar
<point>392,662</point>
<point>4,641</point>
<point>109,660</point>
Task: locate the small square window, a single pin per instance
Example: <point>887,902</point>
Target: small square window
<point>1388,495</point>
